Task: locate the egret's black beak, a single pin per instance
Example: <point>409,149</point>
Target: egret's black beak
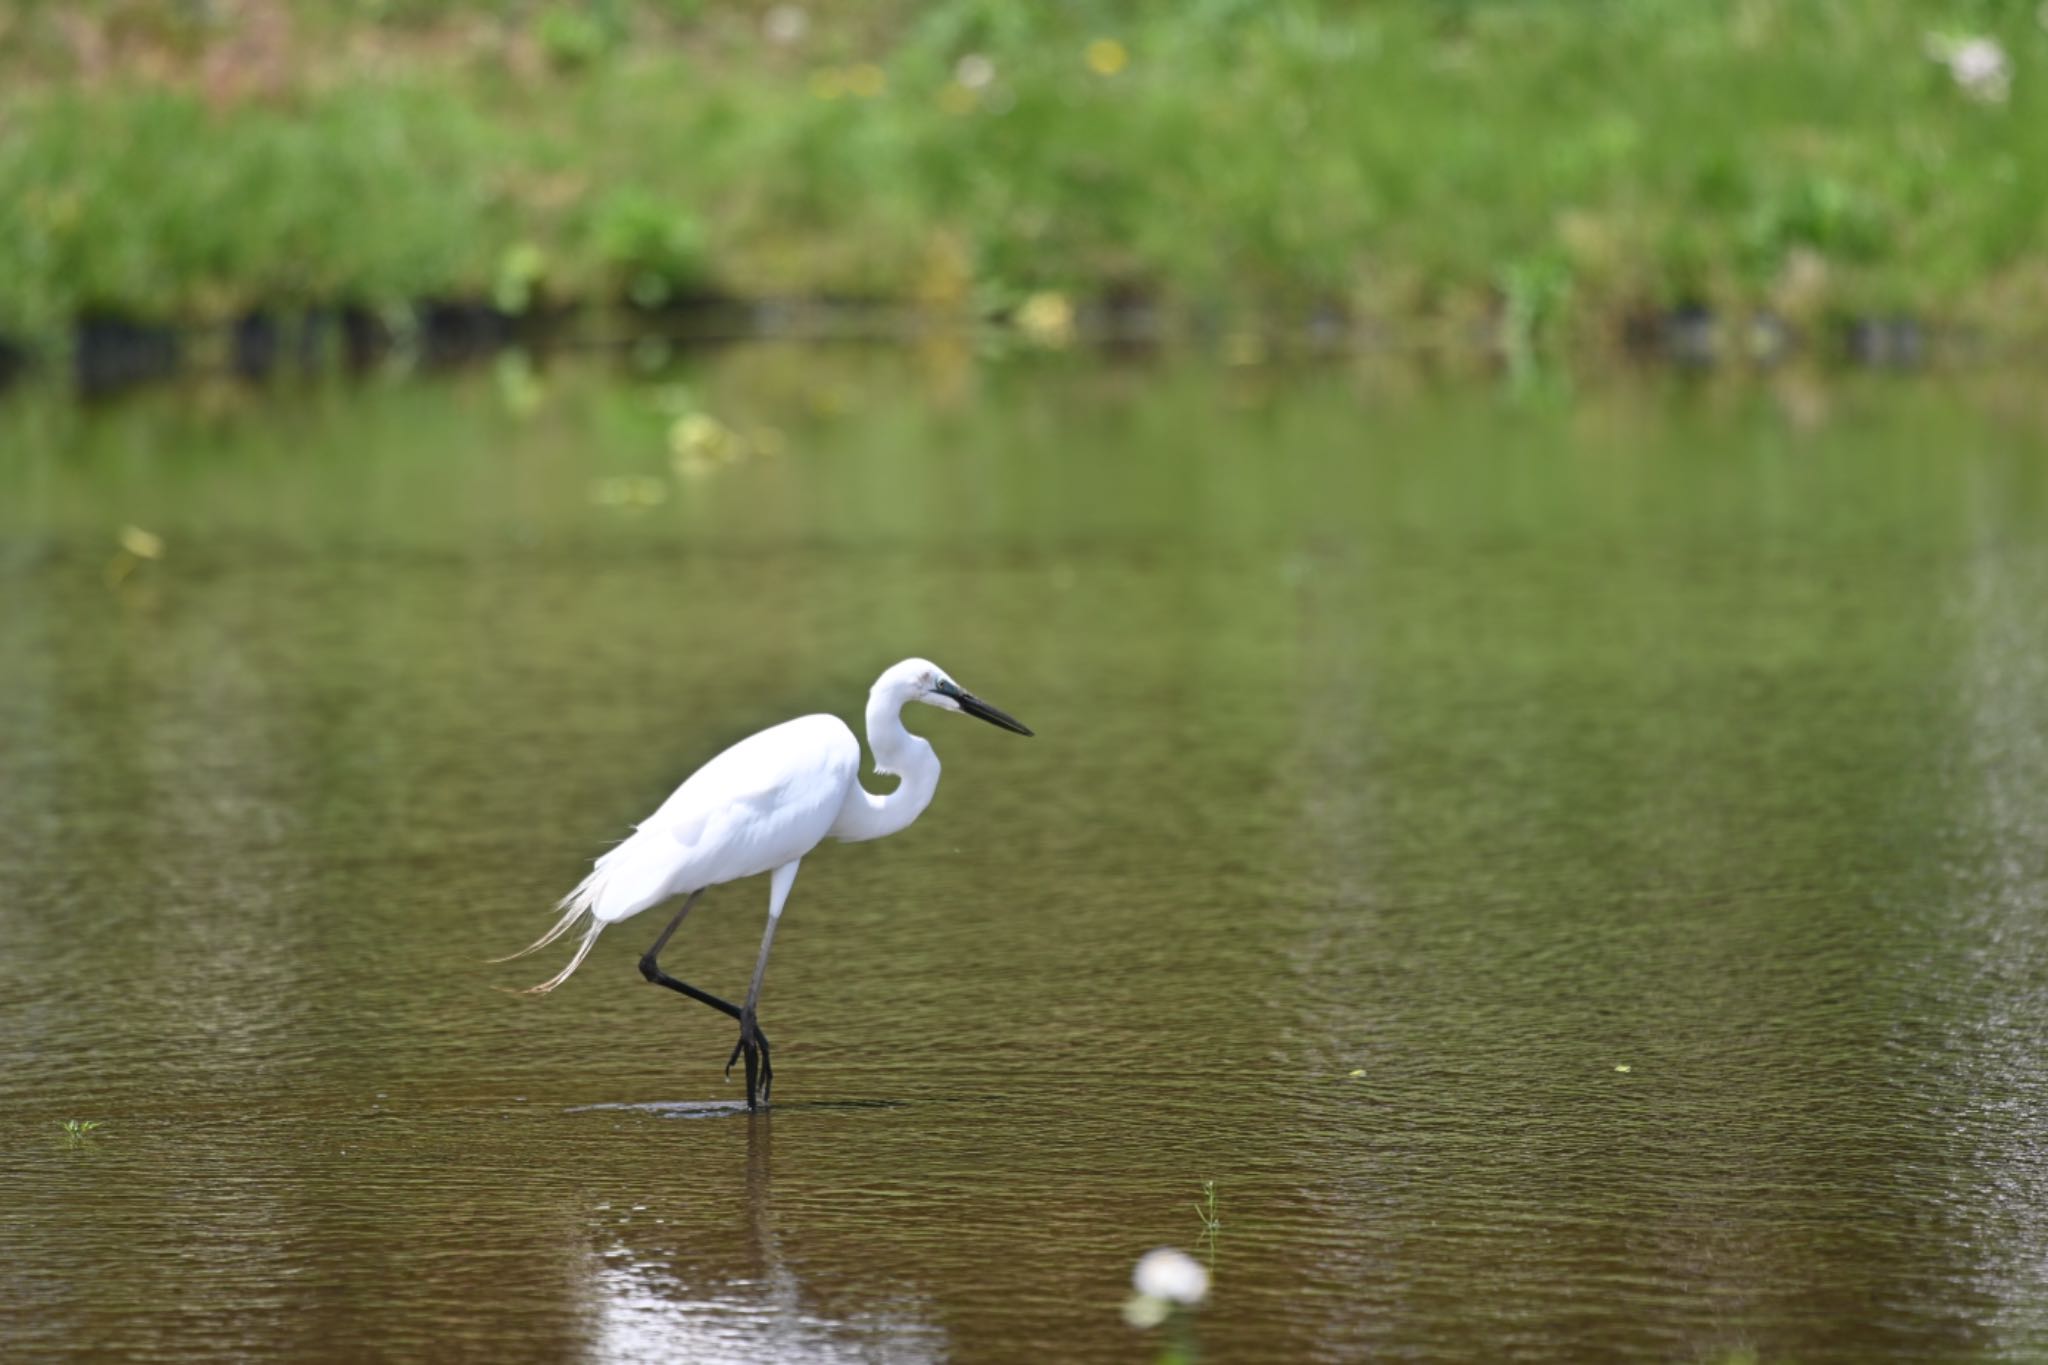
<point>975,706</point>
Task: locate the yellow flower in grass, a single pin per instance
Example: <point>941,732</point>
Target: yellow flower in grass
<point>1107,56</point>
<point>866,81</point>
<point>1047,318</point>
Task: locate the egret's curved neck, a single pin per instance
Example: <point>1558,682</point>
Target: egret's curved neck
<point>867,816</point>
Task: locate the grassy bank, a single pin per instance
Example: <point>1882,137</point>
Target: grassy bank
<point>1557,166</point>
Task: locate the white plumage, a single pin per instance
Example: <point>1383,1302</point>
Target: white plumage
<point>768,799</point>
<point>759,807</point>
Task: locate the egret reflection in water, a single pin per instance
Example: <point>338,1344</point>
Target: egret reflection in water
<point>654,1300</point>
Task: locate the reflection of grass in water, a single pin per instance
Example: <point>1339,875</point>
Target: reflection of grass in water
<point>976,156</point>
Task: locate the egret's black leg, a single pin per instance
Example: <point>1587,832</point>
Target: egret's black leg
<point>650,968</point>
<point>659,977</point>
<point>751,1042</point>
<point>748,1027</point>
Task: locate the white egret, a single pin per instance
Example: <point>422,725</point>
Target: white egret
<point>760,807</point>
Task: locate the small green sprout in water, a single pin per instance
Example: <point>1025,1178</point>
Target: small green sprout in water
<point>1623,1067</point>
<point>79,1128</point>
<point>1205,1209</point>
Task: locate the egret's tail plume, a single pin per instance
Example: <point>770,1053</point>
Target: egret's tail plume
<point>571,912</point>
<point>573,907</point>
<point>582,951</point>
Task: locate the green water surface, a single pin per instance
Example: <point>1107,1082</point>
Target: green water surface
<point>1571,867</point>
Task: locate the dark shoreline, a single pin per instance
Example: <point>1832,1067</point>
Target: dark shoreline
<point>106,354</point>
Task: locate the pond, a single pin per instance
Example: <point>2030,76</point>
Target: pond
<point>1570,865</point>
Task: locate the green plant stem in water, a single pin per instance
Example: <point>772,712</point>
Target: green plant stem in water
<point>1212,1222</point>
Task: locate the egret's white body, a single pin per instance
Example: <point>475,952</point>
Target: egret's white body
<point>766,801</point>
<point>760,806</point>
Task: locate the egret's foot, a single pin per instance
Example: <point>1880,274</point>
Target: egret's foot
<point>753,1045</point>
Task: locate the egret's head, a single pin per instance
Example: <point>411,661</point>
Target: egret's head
<point>924,681</point>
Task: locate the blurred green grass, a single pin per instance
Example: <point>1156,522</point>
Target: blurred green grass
<point>1554,164</point>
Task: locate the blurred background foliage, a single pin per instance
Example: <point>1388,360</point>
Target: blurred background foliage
<point>1563,164</point>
